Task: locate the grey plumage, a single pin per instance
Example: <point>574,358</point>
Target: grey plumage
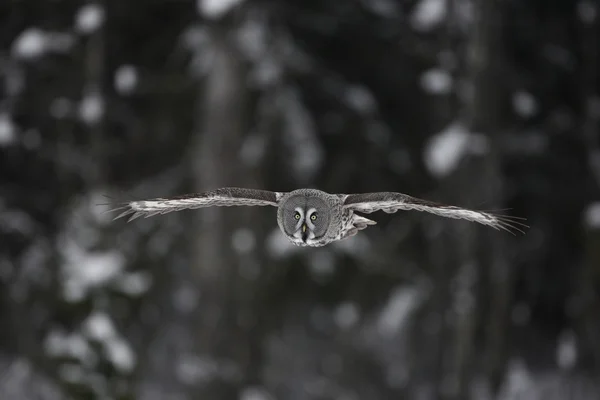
<point>310,217</point>
<point>219,197</point>
<point>320,219</point>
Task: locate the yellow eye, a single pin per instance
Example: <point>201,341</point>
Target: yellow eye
<point>297,216</point>
<point>313,217</point>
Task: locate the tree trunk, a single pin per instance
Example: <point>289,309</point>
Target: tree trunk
<point>478,252</point>
<point>224,311</point>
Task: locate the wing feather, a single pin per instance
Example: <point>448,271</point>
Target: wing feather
<point>230,196</point>
<point>391,202</point>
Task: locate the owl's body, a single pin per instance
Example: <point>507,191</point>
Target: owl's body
<point>310,217</point>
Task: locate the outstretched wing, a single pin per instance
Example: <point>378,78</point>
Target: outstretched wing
<point>219,197</point>
<point>391,202</point>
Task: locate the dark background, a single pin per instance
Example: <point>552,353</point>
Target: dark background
<point>481,103</point>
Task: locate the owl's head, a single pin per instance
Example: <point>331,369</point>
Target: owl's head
<point>304,218</point>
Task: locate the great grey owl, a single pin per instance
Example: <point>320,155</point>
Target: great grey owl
<point>310,217</point>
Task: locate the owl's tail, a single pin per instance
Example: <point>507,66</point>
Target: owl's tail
<point>358,223</point>
<point>361,222</point>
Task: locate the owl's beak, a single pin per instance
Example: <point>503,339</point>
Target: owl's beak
<point>303,228</point>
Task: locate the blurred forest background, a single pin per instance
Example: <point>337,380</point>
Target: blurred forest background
<point>481,103</point>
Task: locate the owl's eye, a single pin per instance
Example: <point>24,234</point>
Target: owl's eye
<point>313,217</point>
<point>297,215</point>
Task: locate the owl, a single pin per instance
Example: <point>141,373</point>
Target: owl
<point>310,217</point>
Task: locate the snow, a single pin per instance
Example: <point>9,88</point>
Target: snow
<point>394,316</point>
<point>346,315</point>
<point>436,81</point>
<point>195,37</point>
<point>592,215</point>
<point>33,262</point>
<point>71,373</point>
<point>356,245</point>
<point>464,13</point>
<point>566,351</point>
<point>120,354</point>
<point>215,9</point>
<point>266,72</point>
<point>278,246</point>
<point>586,11</point>
<point>252,38</point>
<point>524,383</point>
<point>360,99</point>
<point>445,149</point>
<point>518,382</point>
<point>91,108</point>
<point>126,79</point>
<point>185,299</point>
<point>89,18</point>
<point>428,14</point>
<point>83,270</point>
<point>61,344</point>
<point>197,40</point>
<point>97,205</point>
<point>17,221</point>
<point>322,264</point>
<point>253,149</point>
<point>7,130</point>
<point>34,43</point>
<point>30,44</point>
<point>383,8</point>
<point>255,393</point>
<point>99,326</point>
<point>243,241</point>
<point>21,379</point>
<point>135,283</point>
<point>524,104</point>
<point>192,369</point>
<point>300,136</point>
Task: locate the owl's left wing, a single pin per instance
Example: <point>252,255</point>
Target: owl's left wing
<point>230,196</point>
<point>391,202</point>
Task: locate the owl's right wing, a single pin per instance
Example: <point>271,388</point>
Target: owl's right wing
<point>230,196</point>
